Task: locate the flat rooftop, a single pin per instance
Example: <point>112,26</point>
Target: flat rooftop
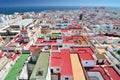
<point>32,48</point>
<point>101,50</point>
<point>41,66</point>
<point>74,39</point>
<point>56,59</point>
<point>41,41</point>
<point>78,72</point>
<point>107,72</point>
<point>83,56</point>
<point>76,26</point>
<point>65,30</point>
<point>56,34</point>
<point>113,74</point>
<point>95,43</point>
<point>54,47</point>
<point>24,22</point>
<point>62,59</point>
<point>13,73</point>
<point>66,66</point>
<point>83,52</point>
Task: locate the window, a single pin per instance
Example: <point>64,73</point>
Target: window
<point>60,46</point>
<point>113,27</point>
<point>66,78</point>
<point>51,70</point>
<point>86,62</point>
<point>11,50</point>
<point>65,45</point>
<point>57,69</point>
<point>117,28</point>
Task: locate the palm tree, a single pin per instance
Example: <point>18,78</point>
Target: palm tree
<point>81,16</point>
<point>118,52</point>
<point>8,32</point>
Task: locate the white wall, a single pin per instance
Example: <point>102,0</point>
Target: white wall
<point>48,77</point>
<point>23,74</point>
<point>113,59</point>
<point>69,77</point>
<point>55,69</point>
<point>59,41</point>
<point>88,63</point>
<point>1,20</point>
<point>95,74</point>
<point>100,60</point>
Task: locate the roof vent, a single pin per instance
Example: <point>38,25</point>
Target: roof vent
<point>40,72</point>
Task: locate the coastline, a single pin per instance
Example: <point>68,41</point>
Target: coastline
<point>11,10</point>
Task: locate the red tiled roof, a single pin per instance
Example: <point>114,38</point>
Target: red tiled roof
<point>86,56</point>
<point>101,35</point>
<point>62,60</point>
<point>12,41</point>
<point>116,23</point>
<point>14,57</point>
<point>68,41</point>
<point>9,43</point>
<point>113,74</point>
<point>99,69</point>
<point>66,67</point>
<point>50,42</point>
<point>78,37</point>
<point>24,44</point>
<point>65,30</point>
<point>18,38</point>
<point>74,26</point>
<point>74,37</point>
<point>56,59</point>
<point>54,47</point>
<point>83,52</point>
<point>32,48</point>
<point>39,40</point>
<point>69,26</point>
<point>1,53</point>
<point>106,63</point>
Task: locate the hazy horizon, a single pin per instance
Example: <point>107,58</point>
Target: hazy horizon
<point>39,3</point>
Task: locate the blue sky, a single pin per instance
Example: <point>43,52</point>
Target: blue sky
<point>113,3</point>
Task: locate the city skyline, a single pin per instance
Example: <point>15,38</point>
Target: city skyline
<point>107,3</point>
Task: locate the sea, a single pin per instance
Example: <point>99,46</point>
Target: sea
<point>11,10</point>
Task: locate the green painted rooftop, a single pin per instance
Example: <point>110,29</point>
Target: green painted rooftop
<point>56,34</point>
<point>41,65</point>
<point>13,73</point>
